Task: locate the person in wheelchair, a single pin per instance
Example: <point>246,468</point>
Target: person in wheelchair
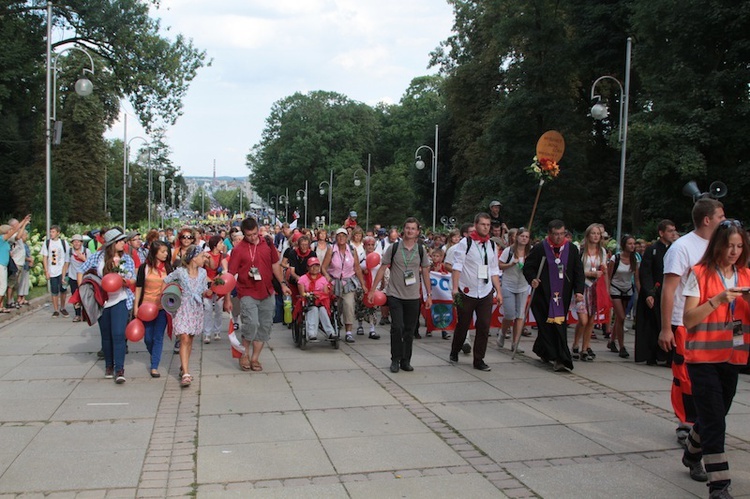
<point>315,291</point>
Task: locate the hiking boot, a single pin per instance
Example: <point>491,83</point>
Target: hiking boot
<point>697,472</point>
<point>722,493</point>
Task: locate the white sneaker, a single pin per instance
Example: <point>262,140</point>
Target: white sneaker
<point>217,336</point>
<point>207,340</point>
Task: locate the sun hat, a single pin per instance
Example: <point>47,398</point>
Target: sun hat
<point>112,236</point>
<point>76,237</point>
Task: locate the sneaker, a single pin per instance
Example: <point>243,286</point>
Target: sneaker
<point>217,336</point>
<point>406,366</point>
<point>525,332</point>
<point>446,335</point>
<point>576,353</point>
<point>109,373</point>
<point>360,331</point>
<point>559,367</point>
<point>120,379</point>
<point>236,326</point>
<point>100,354</point>
<point>428,334</point>
<point>453,358</point>
<point>722,493</point>
<point>585,357</point>
<point>207,340</point>
<point>507,336</point>
<point>593,335</point>
<point>77,318</point>
<point>482,367</point>
<point>697,472</point>
<point>374,335</point>
<point>591,353</point>
<point>395,366</point>
<point>624,353</point>
<point>55,314</point>
<point>387,320</point>
<point>350,338</point>
<point>64,313</point>
<point>312,337</point>
<point>682,434</point>
<point>466,348</point>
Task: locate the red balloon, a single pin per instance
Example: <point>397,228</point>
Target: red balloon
<point>227,287</point>
<point>148,311</point>
<point>135,330</point>
<point>373,260</point>
<point>378,299</point>
<point>111,283</point>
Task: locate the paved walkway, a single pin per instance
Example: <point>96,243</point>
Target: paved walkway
<point>336,423</point>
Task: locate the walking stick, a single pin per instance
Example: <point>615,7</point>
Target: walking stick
<point>526,312</point>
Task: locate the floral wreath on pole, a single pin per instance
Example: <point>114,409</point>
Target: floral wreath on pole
<point>549,150</point>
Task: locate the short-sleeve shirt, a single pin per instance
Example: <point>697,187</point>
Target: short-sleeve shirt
<point>56,256</point>
<point>399,263</point>
<point>513,279</point>
<point>679,259</point>
<point>467,260</point>
<point>244,257</point>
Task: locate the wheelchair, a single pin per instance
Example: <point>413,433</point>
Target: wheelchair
<point>299,325</point>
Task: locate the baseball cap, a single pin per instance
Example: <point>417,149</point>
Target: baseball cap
<point>495,203</point>
<point>312,261</point>
<point>353,214</point>
<point>341,230</point>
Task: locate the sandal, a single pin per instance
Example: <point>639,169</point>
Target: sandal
<point>245,363</point>
<point>255,365</point>
<point>186,380</point>
<point>4,311</point>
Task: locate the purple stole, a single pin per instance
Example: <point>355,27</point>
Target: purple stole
<point>556,267</point>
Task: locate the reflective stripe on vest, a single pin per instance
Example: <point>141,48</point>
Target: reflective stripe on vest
<point>711,340</point>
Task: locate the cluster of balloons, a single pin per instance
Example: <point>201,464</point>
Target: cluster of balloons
<point>378,299</point>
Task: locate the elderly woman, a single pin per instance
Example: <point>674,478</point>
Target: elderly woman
<point>717,319</point>
<point>341,268</point>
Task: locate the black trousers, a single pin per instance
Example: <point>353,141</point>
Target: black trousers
<point>404,319</point>
<point>483,309</point>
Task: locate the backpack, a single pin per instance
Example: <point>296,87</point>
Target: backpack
<point>468,245</point>
<point>510,254</point>
<point>64,246</point>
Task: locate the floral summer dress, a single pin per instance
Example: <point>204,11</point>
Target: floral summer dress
<point>189,317</point>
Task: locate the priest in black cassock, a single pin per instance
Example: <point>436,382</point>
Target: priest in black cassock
<point>561,277</point>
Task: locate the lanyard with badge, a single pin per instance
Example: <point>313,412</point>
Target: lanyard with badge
<point>737,337</point>
<point>254,272</point>
<point>409,277</point>
<point>483,270</point>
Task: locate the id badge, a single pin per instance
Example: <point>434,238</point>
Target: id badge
<point>254,273</point>
<point>559,271</point>
<point>483,272</point>
<point>409,278</point>
<point>738,339</point>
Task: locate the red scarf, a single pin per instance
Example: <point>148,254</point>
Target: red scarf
<point>556,246</point>
<point>161,268</point>
<point>476,237</point>
<point>302,255</point>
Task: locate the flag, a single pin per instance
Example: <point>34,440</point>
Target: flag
<point>293,225</point>
<point>235,345</point>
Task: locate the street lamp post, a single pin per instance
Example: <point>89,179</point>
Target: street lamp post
<point>303,197</point>
<point>284,199</point>
<point>599,111</point>
<point>358,182</point>
<point>329,183</point>
<point>163,181</point>
<point>420,165</point>
<point>126,174</point>
<point>83,87</point>
<point>275,208</point>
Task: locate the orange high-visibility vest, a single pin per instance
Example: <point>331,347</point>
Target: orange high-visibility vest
<point>711,341</point>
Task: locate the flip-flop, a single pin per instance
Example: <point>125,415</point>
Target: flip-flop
<point>255,365</point>
<point>245,363</point>
<point>4,311</point>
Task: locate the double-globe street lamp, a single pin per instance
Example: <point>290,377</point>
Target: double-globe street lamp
<point>420,166</point>
<point>83,87</point>
<point>126,176</point>
<point>599,111</point>
<point>302,196</point>
<point>358,182</point>
<point>328,183</point>
<point>163,181</point>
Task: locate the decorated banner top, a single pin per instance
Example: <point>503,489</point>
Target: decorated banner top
<point>549,150</point>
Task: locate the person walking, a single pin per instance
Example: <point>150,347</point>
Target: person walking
<point>55,259</point>
<point>558,266</point>
<point>77,256</point>
<point>475,273</point>
<point>594,257</point>
<point>407,262</point>
<point>623,281</point>
<point>515,287</point>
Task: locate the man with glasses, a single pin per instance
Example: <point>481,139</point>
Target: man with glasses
<point>555,271</point>
<point>679,259</point>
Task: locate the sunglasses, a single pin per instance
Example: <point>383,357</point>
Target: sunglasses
<point>729,222</point>
<point>187,237</point>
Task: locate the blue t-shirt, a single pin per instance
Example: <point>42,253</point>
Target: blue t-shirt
<point>4,252</point>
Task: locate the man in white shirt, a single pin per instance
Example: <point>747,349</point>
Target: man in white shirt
<point>679,259</point>
<point>475,275</point>
<point>55,253</point>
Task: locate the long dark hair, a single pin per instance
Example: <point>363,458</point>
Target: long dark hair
<point>109,258</point>
<point>151,259</point>
<point>720,242</point>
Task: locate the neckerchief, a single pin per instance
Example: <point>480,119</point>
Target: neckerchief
<point>302,255</point>
<point>476,237</point>
<point>556,263</point>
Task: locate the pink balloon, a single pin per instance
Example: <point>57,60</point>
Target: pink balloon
<point>135,330</point>
<point>373,260</point>
<point>148,311</point>
<point>111,283</point>
<point>227,287</point>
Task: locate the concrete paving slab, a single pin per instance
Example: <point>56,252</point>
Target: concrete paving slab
<point>254,428</point>
<point>28,409</point>
<point>469,485</point>
<point>489,414</point>
<point>261,461</point>
<point>55,366</point>
<point>622,377</point>
<point>552,385</point>
<point>318,359</point>
<point>33,400</point>
<point>25,346</point>
<point>247,401</point>
<point>533,442</point>
<point>332,491</point>
<point>389,452</point>
<point>648,433</point>
<point>455,392</point>
<point>91,437</point>
<point>661,398</point>
<point>444,373</point>
<point>14,440</point>
<point>612,480</point>
<point>329,398</point>
<point>317,380</point>
<point>246,383</point>
<point>120,404</point>
<point>589,408</point>
<point>365,421</point>
<point>8,362</point>
<point>738,424</point>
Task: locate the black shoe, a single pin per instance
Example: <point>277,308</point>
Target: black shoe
<point>445,335</point>
<point>591,354</point>
<point>624,353</point>
<point>100,354</point>
<point>612,347</point>
<point>417,335</point>
<point>374,335</point>
<point>394,366</point>
<point>405,366</point>
<point>453,357</point>
<point>382,321</point>
<point>482,367</point>
<point>697,472</point>
<point>360,331</point>
<point>576,353</point>
<point>466,348</point>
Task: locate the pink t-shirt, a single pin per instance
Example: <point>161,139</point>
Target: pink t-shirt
<point>341,267</point>
<point>320,284</point>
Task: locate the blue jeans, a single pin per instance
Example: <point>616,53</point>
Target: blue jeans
<point>112,325</point>
<point>154,337</point>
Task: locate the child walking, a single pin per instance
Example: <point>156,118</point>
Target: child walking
<point>188,321</point>
<point>437,257</point>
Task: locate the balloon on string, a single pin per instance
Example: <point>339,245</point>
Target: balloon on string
<point>373,260</point>
<point>135,330</point>
<point>378,299</point>
<point>111,283</point>
<point>148,311</point>
<point>226,287</point>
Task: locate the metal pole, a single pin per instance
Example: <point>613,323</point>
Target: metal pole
<point>286,205</point>
<point>624,138</point>
<point>435,180</point>
<point>367,219</point>
<point>330,200</point>
<point>47,125</point>
<point>150,188</point>
<point>305,203</point>
<point>125,174</point>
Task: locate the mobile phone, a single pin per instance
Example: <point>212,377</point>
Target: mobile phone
<point>744,291</point>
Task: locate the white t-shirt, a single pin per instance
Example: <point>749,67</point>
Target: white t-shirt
<point>679,259</point>
<point>56,257</point>
<point>513,279</point>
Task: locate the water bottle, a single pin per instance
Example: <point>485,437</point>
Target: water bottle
<point>287,309</point>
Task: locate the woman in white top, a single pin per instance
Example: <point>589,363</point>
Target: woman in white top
<point>622,271</point>
<point>594,257</point>
<point>515,288</point>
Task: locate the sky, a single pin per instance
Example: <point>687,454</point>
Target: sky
<point>264,51</point>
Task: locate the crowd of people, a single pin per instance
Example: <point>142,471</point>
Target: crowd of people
<point>689,296</point>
